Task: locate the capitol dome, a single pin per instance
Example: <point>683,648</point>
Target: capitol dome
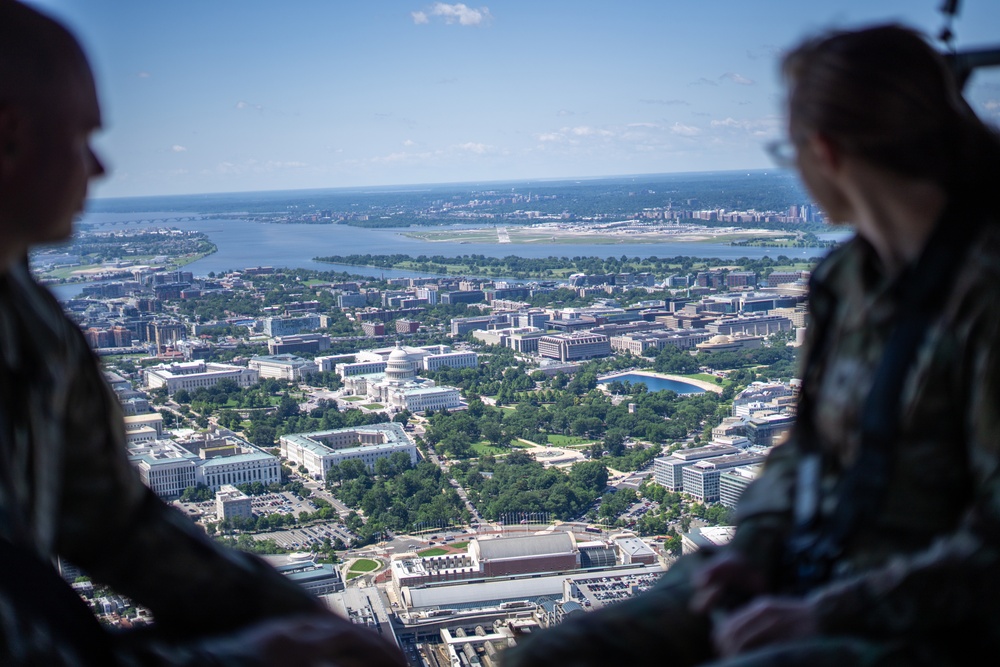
<point>398,367</point>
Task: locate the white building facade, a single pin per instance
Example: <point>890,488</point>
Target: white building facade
<point>320,450</point>
<point>283,367</point>
<point>196,374</point>
<point>167,468</point>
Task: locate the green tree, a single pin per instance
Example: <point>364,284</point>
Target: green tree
<point>589,475</point>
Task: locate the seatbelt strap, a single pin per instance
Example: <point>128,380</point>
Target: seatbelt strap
<point>816,543</point>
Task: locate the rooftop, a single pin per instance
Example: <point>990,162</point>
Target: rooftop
<point>526,547</point>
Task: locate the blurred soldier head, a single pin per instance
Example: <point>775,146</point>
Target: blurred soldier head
<point>48,111</point>
<point>885,95</point>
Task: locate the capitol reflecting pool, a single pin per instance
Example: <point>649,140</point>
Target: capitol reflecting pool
<point>656,383</point>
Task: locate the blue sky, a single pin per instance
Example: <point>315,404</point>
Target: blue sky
<point>238,95</point>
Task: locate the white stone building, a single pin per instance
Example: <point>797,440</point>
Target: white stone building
<point>318,451</point>
<point>282,367</point>
<point>168,468</point>
<point>398,387</point>
<point>230,502</point>
<point>191,375</point>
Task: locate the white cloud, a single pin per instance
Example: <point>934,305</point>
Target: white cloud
<point>737,78</point>
<point>992,105</point>
<point>758,128</point>
<point>586,131</point>
<point>564,112</point>
<point>651,125</point>
<point>574,135</point>
<point>227,168</point>
<point>243,104</point>
<point>409,142</point>
<point>457,13</point>
<point>177,148</point>
<point>478,149</point>
<point>393,157</point>
<point>143,75</point>
<point>685,130</point>
<point>703,82</point>
<point>729,122</point>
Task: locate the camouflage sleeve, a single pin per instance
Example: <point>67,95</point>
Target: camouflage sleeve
<point>955,584</point>
<point>114,528</point>
<point>763,515</point>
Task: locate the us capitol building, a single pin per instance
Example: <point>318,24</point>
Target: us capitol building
<point>399,388</point>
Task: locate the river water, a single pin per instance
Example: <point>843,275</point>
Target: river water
<point>243,244</point>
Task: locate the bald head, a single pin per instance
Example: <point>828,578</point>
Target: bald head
<point>48,109</point>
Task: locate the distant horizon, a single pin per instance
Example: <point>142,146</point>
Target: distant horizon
<point>200,99</point>
<point>413,187</point>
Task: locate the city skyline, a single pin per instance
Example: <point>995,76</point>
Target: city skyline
<point>202,98</point>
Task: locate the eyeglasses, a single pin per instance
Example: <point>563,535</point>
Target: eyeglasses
<point>783,152</point>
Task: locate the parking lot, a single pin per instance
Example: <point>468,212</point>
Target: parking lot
<point>303,538</point>
<point>601,591</point>
<point>281,503</point>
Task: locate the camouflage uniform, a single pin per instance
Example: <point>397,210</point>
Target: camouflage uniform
<point>67,488</point>
<point>921,576</point>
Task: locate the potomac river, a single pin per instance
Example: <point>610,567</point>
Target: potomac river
<point>242,244</point>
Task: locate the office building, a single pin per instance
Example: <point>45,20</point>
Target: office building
<point>320,450</point>
<point>751,325</point>
<point>668,470</point>
<point>651,342</point>
<point>231,503</point>
<point>701,478</point>
<point>192,375</point>
<point>317,579</point>
<point>733,482</point>
<point>282,367</point>
<point>574,346</point>
<point>298,343</point>
<point>289,326</point>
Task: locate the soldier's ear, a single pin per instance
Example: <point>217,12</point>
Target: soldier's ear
<point>824,151</point>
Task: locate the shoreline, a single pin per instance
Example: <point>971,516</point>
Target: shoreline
<point>701,384</point>
<point>533,235</point>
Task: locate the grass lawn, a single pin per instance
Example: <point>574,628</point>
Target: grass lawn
<point>354,398</point>
<point>483,448</point>
<point>517,444</point>
<point>708,377</point>
<point>373,406</point>
<point>361,566</point>
<point>435,551</point>
<point>566,440</point>
<point>459,545</point>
